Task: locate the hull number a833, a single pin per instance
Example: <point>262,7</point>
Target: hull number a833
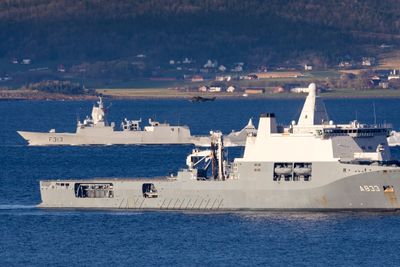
<point>369,188</point>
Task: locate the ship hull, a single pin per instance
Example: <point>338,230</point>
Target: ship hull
<point>121,138</point>
<point>355,190</point>
<point>101,137</point>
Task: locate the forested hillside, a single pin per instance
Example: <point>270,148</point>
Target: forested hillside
<point>252,30</point>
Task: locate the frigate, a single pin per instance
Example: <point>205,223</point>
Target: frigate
<point>311,164</point>
<point>234,138</point>
<point>95,130</point>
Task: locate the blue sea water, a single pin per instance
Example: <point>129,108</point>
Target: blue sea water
<point>35,237</point>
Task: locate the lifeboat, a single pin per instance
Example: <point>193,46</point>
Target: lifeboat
<point>302,170</point>
<point>283,170</point>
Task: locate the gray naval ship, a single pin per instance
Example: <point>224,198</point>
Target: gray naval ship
<point>314,164</point>
<point>95,130</point>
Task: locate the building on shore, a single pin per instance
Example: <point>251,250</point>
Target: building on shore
<point>203,88</point>
<point>254,91</point>
<point>215,89</point>
<point>197,78</point>
<point>230,89</point>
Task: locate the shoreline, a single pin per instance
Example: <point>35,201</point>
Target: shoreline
<point>149,94</point>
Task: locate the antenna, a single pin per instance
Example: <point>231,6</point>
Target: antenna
<point>373,104</point>
<point>108,107</point>
<point>77,112</point>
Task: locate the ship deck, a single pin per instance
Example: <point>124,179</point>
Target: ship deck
<point>119,179</point>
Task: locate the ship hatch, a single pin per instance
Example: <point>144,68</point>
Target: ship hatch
<point>149,190</point>
<point>94,190</point>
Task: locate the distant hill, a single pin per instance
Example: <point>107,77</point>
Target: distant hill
<point>232,30</point>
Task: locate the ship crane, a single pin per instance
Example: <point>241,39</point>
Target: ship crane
<point>200,160</point>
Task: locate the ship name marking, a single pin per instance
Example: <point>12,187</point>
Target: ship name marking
<point>369,188</point>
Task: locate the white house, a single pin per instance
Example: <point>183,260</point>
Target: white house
<point>203,88</point>
<point>230,89</point>
<point>394,74</point>
<point>308,67</point>
<point>197,78</point>
<point>215,89</point>
<point>367,61</point>
<point>299,90</point>
<point>345,64</point>
<point>222,68</point>
<point>223,78</point>
<point>186,61</point>
<point>237,68</point>
<point>211,64</point>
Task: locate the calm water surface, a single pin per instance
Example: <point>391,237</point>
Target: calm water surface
<point>33,237</point>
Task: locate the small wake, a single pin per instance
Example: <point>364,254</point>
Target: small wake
<point>16,207</point>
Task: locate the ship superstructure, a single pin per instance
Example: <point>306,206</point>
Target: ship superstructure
<point>314,164</point>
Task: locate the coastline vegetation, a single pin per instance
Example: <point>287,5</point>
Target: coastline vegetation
<point>59,87</point>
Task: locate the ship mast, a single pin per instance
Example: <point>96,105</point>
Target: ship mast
<point>217,151</point>
<point>98,113</point>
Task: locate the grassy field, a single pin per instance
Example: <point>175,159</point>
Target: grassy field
<point>390,60</point>
<point>351,93</point>
<point>143,84</point>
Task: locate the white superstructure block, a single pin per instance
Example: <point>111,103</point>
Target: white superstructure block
<point>267,125</point>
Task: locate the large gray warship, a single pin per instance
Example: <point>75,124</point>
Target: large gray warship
<point>314,164</point>
<point>95,130</point>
